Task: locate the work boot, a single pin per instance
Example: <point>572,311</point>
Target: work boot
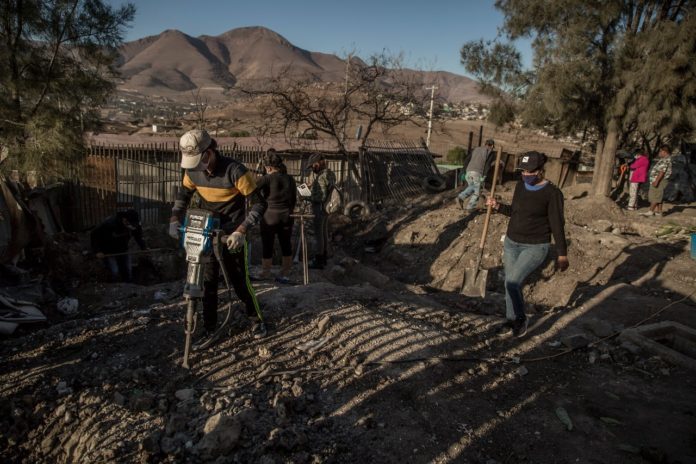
<point>519,328</point>
<point>505,328</point>
<point>260,330</point>
<point>265,268</point>
<point>460,202</point>
<point>286,266</point>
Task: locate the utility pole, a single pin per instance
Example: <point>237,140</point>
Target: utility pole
<point>345,97</point>
<point>430,115</point>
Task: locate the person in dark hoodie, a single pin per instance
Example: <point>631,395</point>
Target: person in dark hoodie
<point>536,214</point>
<point>112,237</point>
<point>280,191</point>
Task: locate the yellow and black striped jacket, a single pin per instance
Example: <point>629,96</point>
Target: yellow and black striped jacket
<point>223,191</point>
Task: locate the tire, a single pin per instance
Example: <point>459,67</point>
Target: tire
<point>356,209</point>
<point>434,184</point>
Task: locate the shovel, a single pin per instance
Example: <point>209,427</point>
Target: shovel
<point>475,278</point>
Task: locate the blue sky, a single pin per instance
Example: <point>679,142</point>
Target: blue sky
<point>429,34</point>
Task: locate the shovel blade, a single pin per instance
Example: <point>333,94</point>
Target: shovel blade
<point>475,282</point>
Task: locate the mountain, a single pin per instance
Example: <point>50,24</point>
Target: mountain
<point>176,62</point>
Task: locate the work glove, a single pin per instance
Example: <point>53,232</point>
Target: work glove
<point>174,229</point>
<point>235,241</point>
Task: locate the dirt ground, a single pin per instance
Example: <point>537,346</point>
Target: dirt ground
<point>379,358</point>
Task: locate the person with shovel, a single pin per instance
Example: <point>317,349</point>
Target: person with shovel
<point>536,214</point>
<point>110,239</point>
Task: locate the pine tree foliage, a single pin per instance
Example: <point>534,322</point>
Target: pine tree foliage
<point>619,68</point>
<point>57,66</point>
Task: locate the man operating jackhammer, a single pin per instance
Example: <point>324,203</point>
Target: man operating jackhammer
<point>222,184</point>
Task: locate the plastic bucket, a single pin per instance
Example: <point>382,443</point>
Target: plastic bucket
<point>693,246</point>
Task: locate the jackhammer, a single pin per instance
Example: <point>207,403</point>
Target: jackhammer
<point>203,240</point>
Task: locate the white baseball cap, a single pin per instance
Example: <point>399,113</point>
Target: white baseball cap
<point>192,145</point>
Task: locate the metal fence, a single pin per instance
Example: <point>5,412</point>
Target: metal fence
<point>147,177</point>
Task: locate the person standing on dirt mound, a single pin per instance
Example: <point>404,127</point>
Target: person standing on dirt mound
<point>112,236</point>
<point>280,191</point>
<point>324,183</point>
<point>659,175</point>
<point>476,171</point>
<point>222,184</point>
<point>536,213</point>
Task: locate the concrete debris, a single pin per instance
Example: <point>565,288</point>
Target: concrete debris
<point>68,306</point>
<point>185,394</point>
<point>575,341</point>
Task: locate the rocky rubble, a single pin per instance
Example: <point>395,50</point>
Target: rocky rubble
<point>379,359</point>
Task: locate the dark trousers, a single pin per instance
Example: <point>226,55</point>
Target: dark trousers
<point>283,230</point>
<point>238,274</point>
<point>120,266</point>
<point>321,230</point>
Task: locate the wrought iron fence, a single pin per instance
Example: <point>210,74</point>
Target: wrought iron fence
<point>146,177</point>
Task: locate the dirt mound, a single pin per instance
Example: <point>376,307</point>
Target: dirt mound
<point>379,359</point>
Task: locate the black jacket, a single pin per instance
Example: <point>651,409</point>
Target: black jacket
<point>536,215</point>
<point>111,236</point>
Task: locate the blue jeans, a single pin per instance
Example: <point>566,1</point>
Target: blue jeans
<point>120,266</point>
<point>473,189</point>
<point>520,260</point>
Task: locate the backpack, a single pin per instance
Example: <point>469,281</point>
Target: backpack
<point>334,201</point>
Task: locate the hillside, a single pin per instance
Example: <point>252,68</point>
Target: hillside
<point>176,62</point>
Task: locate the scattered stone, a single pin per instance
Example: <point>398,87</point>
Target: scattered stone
<point>610,421</point>
<point>592,357</point>
<point>575,341</point>
<point>563,416</point>
<point>151,443</point>
<point>598,327</point>
<point>168,445</point>
<point>337,272</point>
<point>628,448</point>
<point>141,400</point>
<point>630,347</point>
<point>62,388</point>
<point>221,436</point>
<point>322,325</point>
<point>264,352</point>
<point>176,424</point>
<point>185,394</point>
<point>602,225</point>
<point>522,371</point>
<point>366,422</point>
<point>68,306</point>
<point>297,389</point>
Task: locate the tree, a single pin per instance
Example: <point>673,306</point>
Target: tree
<point>58,58</point>
<point>498,69</point>
<point>456,155</point>
<point>377,93</point>
<point>615,68</point>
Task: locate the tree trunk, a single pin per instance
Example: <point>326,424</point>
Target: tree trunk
<point>604,162</point>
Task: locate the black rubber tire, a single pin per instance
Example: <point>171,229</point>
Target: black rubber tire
<point>356,209</point>
<point>434,184</point>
